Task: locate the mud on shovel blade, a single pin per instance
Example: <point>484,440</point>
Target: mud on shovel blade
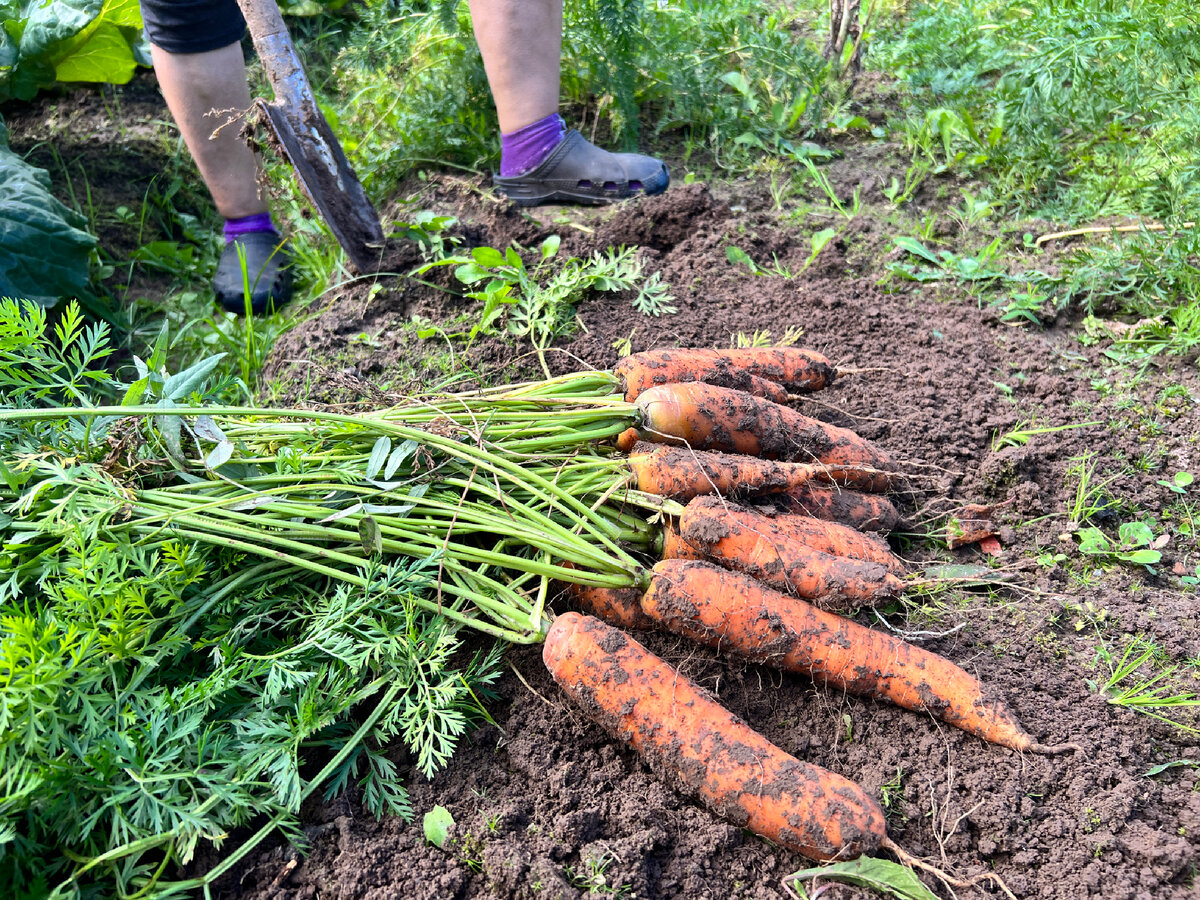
<point>309,143</point>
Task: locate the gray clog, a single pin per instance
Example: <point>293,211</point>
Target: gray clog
<point>577,171</point>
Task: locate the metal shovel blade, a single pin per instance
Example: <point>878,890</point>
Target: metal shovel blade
<point>308,142</point>
<point>329,182</point>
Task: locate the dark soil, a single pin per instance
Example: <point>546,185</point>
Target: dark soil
<point>545,799</point>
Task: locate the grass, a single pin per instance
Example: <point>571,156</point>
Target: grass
<point>1074,112</point>
<point>1140,679</point>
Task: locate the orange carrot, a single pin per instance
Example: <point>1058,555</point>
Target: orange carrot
<point>793,367</point>
<point>764,372</point>
<point>735,613</point>
<point>681,473</point>
<point>752,544</point>
<point>706,518</point>
<point>627,440</point>
<point>644,370</point>
<point>674,546</point>
<point>705,417</point>
<point>700,748</point>
<point>617,606</point>
<point>865,512</point>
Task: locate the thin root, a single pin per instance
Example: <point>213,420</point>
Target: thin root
<point>1054,749</point>
<point>913,863</point>
<point>808,398</point>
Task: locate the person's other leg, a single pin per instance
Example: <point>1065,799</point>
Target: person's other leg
<point>193,85</point>
<point>195,45</point>
<point>521,45</point>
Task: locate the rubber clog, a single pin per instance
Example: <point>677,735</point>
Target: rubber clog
<point>577,171</point>
<point>267,271</point>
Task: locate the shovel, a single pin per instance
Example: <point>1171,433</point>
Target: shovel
<point>309,143</point>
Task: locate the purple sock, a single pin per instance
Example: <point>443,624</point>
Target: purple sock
<point>235,228</point>
<point>526,148</point>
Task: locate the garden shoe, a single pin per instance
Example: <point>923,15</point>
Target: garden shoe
<point>267,270</point>
<point>577,171</point>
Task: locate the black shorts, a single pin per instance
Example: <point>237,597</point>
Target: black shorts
<point>192,26</point>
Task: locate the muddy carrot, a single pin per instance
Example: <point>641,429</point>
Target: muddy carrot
<point>709,519</point>
<point>739,615</point>
<point>645,370</point>
<point>764,372</point>
<point>705,417</point>
<point>682,473</point>
<point>865,512</point>
<point>674,546</point>
<point>746,542</point>
<point>701,749</point>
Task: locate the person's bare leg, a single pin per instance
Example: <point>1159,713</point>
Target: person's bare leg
<point>521,44</point>
<point>193,84</point>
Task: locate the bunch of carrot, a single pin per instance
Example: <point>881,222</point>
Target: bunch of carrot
<point>777,533</point>
<point>770,524</point>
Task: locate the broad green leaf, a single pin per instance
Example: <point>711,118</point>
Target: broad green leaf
<point>398,456</point>
<point>133,395</point>
<point>219,455</point>
<point>550,246</point>
<point>1162,767</point>
<point>1143,557</point>
<point>206,429</point>
<point>371,537</point>
<point>169,428</point>
<point>821,239</point>
<point>73,40</point>
<point>44,251</point>
<point>915,247</point>
<point>379,455</point>
<point>104,57</point>
<point>437,824</point>
<point>738,256</point>
<point>885,876</point>
<point>471,273</point>
<point>488,256</point>
<point>738,82</point>
<point>1135,533</point>
<point>191,379</point>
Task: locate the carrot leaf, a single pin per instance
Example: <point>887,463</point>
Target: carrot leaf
<point>882,875</point>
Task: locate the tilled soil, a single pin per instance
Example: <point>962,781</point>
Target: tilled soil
<point>547,805</point>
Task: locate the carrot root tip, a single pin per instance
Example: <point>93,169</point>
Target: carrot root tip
<point>1055,749</point>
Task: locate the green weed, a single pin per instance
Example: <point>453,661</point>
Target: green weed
<point>1024,432</point>
<point>1140,680</point>
<point>538,303</point>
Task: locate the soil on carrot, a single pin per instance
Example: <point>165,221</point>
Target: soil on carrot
<point>545,804</point>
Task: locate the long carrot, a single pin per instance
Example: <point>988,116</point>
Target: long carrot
<point>795,368</point>
<point>714,418</point>
<point>754,545</point>
<point>735,613</point>
<point>706,519</point>
<point>682,473</point>
<point>764,372</point>
<point>645,370</point>
<point>700,748</point>
<point>865,512</point>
